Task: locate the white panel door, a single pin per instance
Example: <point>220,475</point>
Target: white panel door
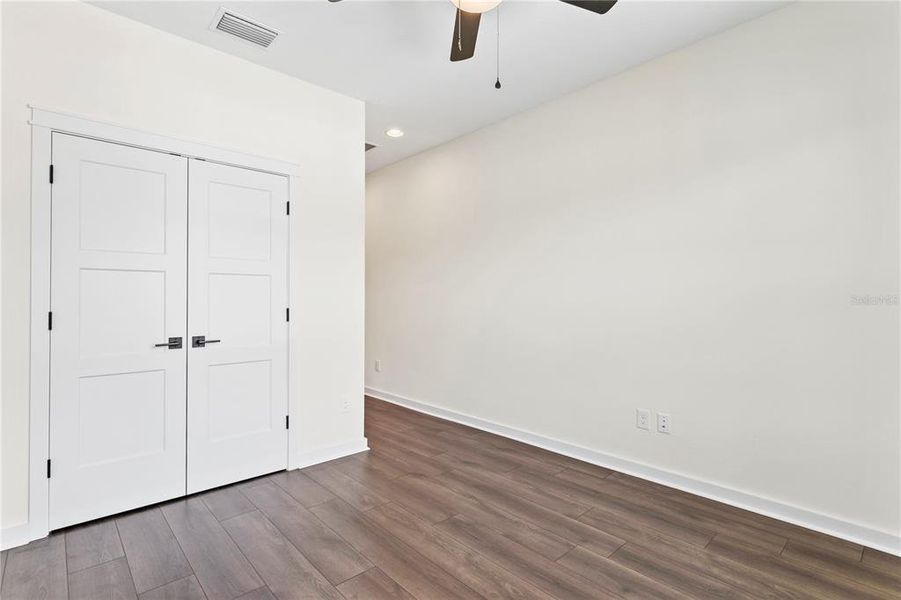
<point>237,300</point>
<point>118,289</point>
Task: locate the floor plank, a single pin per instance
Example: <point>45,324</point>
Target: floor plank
<point>470,567</point>
<point>373,585</point>
<point>615,519</point>
<point>221,569</point>
<point>603,496</point>
<point>345,487</point>
<point>456,461</point>
<point>532,486</point>
<point>325,549</point>
<point>486,514</point>
<point>153,554</point>
<point>572,530</point>
<point>227,502</point>
<point>695,516</point>
<point>92,544</point>
<point>798,578</point>
<point>287,572</point>
<point>412,441</point>
<point>554,579</point>
<point>733,517</point>
<point>37,570</point>
<point>302,488</point>
<point>405,490</point>
<point>542,541</point>
<point>368,464</point>
<point>182,589</point>
<point>616,579</point>
<point>262,593</point>
<point>507,459</point>
<point>677,553</point>
<point>410,569</point>
<point>110,580</point>
<point>826,563</point>
<point>882,561</point>
<point>663,566</point>
<point>408,462</point>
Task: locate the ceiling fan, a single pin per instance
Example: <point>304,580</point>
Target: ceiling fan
<point>469,13</point>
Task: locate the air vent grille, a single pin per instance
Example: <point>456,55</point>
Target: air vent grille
<point>242,27</point>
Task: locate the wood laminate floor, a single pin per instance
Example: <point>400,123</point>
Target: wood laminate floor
<point>437,510</point>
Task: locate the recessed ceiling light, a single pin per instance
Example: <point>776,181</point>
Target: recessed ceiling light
<point>395,132</point>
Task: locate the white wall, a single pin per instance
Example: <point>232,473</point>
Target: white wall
<point>81,59</point>
<point>685,237</point>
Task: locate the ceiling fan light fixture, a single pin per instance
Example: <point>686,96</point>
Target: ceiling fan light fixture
<point>394,132</point>
<point>475,6</point>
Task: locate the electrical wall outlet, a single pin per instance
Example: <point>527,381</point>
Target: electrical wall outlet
<point>643,419</point>
<point>378,366</point>
<point>663,423</point>
<point>345,405</point>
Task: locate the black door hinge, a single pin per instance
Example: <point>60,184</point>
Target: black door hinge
<point>287,314</point>
<point>51,174</point>
<point>50,321</point>
<point>48,468</point>
<point>288,207</point>
<point>287,422</point>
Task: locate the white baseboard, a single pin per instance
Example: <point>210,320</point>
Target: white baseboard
<point>19,535</point>
<point>321,455</point>
<point>853,532</point>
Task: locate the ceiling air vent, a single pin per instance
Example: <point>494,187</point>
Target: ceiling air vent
<point>369,146</point>
<point>240,26</point>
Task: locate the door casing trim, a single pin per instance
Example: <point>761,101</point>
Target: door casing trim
<point>44,123</point>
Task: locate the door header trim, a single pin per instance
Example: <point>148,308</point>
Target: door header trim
<point>101,130</point>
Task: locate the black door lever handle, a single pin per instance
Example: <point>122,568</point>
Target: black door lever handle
<point>174,343</point>
<point>199,341</point>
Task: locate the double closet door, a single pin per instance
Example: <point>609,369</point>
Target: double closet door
<point>169,351</point>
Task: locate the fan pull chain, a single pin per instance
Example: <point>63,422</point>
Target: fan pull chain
<point>497,83</point>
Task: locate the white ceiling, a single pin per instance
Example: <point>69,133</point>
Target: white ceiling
<point>395,55</point>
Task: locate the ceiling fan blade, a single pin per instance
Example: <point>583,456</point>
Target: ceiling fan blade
<point>595,6</point>
<point>466,29</point>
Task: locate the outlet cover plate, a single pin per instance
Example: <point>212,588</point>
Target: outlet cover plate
<point>643,419</point>
<point>663,423</point>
